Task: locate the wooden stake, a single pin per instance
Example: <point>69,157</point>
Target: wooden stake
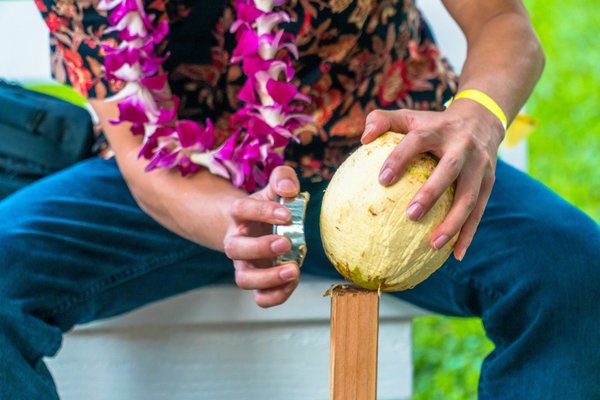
<point>353,352</point>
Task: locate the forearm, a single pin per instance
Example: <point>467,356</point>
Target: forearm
<point>504,58</point>
<point>194,207</point>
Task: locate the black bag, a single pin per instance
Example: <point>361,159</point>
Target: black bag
<point>39,135</point>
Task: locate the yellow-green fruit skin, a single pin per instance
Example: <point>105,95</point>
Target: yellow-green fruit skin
<point>365,231</point>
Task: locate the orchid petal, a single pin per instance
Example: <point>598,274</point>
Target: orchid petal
<point>281,92</point>
<point>264,5</point>
<point>188,132</point>
<point>157,82</point>
<point>265,23</point>
<point>132,111</point>
<point>246,93</point>
<point>247,44</point>
<point>161,31</point>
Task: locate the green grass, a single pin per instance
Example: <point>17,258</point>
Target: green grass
<point>564,154</point>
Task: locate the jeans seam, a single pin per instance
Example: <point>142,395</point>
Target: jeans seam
<point>472,282</point>
<point>117,278</point>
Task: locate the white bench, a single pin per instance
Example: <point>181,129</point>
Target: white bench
<point>214,343</point>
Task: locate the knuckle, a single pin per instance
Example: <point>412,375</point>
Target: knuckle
<point>470,201</point>
<point>417,137</point>
<point>237,207</point>
<point>241,279</point>
<point>485,161</point>
<point>409,116</point>
<point>469,142</point>
<point>375,115</point>
<point>229,247</point>
<point>394,158</point>
<point>453,162</point>
<point>453,123</point>
<point>265,210</point>
<point>421,139</point>
<point>426,194</point>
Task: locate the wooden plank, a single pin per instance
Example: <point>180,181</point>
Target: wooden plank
<point>353,351</point>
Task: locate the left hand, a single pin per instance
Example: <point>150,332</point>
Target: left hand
<point>251,246</point>
<point>465,138</point>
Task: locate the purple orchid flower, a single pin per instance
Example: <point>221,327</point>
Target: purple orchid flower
<point>262,127</point>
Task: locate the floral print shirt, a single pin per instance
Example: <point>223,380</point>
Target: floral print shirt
<point>355,56</point>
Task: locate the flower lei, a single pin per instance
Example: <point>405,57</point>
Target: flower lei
<point>262,128</point>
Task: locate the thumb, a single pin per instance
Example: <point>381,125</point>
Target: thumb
<point>283,182</point>
<point>379,122</point>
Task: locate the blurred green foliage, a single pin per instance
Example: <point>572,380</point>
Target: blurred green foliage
<point>565,149</point>
<point>447,356</point>
<point>564,154</point>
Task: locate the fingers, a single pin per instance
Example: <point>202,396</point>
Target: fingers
<point>414,143</point>
<point>255,210</point>
<point>238,247</point>
<point>250,278</point>
<point>445,173</point>
<point>468,230</point>
<point>275,296</point>
<point>283,182</point>
<point>272,286</point>
<point>466,198</point>
<point>381,121</point>
<point>467,148</point>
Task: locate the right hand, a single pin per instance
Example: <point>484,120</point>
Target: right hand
<point>252,247</point>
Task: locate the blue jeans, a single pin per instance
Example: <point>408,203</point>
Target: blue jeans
<point>75,247</point>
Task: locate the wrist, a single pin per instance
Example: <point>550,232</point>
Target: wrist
<point>477,118</point>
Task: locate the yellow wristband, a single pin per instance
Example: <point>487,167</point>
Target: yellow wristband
<point>483,99</point>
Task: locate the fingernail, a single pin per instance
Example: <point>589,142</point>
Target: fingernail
<point>282,213</point>
<point>461,254</point>
<point>386,176</point>
<point>289,287</point>
<point>368,129</point>
<point>286,185</point>
<point>289,273</point>
<point>440,241</point>
<point>414,211</point>
<point>280,245</point>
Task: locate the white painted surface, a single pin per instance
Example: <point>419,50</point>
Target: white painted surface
<point>447,34</point>
<point>188,348</point>
<point>24,51</point>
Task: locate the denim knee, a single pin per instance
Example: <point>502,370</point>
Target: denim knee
<point>20,269</point>
<point>568,265</point>
<point>554,285</point>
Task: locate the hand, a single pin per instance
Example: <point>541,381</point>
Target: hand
<point>465,138</point>
<point>250,245</point>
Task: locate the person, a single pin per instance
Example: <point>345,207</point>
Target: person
<point>104,236</point>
